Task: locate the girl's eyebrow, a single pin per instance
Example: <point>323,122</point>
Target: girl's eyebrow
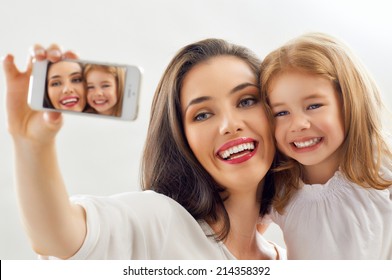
<point>205,98</point>
<point>313,96</point>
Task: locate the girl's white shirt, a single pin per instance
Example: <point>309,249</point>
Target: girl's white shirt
<point>148,226</point>
<point>338,220</point>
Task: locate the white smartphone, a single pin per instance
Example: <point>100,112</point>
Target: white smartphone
<point>86,87</point>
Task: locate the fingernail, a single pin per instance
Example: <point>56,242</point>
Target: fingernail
<point>37,52</point>
<point>55,53</point>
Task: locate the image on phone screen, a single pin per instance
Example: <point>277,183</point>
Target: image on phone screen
<point>85,87</point>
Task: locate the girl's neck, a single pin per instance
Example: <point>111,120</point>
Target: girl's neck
<point>322,172</point>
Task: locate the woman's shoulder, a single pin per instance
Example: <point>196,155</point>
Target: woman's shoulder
<point>143,204</point>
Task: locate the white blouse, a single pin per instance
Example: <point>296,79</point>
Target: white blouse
<point>148,226</point>
<point>338,220</point>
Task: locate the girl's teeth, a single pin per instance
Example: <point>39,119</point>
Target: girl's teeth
<point>99,102</point>
<point>307,143</point>
<point>237,149</point>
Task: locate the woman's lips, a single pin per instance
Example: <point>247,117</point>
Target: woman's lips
<point>69,101</point>
<point>238,150</point>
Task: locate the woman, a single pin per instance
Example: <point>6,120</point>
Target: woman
<point>65,88</point>
<point>208,150</point>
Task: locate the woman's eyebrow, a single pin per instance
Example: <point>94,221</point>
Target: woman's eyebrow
<point>56,76</point>
<point>242,86</point>
<point>206,98</point>
<point>197,101</point>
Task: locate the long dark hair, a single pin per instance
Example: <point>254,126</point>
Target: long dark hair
<point>169,166</point>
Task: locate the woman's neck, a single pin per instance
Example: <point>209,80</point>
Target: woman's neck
<point>243,211</point>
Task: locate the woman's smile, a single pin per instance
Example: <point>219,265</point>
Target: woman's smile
<point>238,150</point>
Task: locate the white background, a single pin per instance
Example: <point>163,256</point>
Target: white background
<point>102,156</point>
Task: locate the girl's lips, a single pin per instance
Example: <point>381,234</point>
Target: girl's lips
<point>237,151</point>
<point>306,144</point>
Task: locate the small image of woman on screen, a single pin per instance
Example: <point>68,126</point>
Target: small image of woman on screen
<point>105,86</point>
<point>65,88</point>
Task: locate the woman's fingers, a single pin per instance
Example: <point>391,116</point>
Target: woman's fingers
<point>54,53</point>
<point>38,52</point>
<point>70,55</point>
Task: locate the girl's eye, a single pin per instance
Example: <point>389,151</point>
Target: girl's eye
<point>202,116</point>
<point>247,102</point>
<point>106,86</point>
<point>90,87</point>
<point>314,106</point>
<point>280,114</point>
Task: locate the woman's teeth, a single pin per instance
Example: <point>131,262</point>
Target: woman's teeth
<point>237,149</point>
<point>69,100</point>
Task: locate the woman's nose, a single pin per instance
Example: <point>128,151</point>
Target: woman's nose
<point>231,124</point>
<point>67,88</point>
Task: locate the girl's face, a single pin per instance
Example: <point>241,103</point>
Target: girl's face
<point>308,120</point>
<point>225,124</point>
<point>101,91</point>
<point>65,86</point>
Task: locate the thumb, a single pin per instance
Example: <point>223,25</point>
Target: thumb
<point>53,119</point>
<point>9,66</point>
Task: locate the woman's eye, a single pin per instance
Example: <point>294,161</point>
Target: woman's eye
<point>77,80</point>
<point>281,113</point>
<point>314,106</point>
<point>55,84</point>
<point>202,116</point>
<point>247,102</point>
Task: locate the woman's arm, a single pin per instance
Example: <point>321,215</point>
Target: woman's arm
<point>54,226</point>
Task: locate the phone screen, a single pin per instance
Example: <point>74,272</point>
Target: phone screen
<point>85,87</point>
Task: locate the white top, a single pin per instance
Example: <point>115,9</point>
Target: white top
<point>147,225</point>
<point>338,220</point>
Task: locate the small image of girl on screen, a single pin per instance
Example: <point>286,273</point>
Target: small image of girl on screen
<point>105,86</point>
<point>65,87</point>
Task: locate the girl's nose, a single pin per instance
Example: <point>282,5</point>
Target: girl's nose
<point>299,123</point>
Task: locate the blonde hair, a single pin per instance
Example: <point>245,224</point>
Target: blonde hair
<point>364,148</point>
<point>119,75</point>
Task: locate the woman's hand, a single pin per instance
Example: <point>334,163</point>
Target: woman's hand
<point>54,225</point>
<point>23,122</point>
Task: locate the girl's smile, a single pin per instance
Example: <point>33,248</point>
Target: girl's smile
<point>308,119</point>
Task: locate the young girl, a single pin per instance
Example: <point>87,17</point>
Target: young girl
<point>105,86</point>
<point>333,176</point>
<point>208,149</point>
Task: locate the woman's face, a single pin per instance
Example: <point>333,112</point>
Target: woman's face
<point>66,87</point>
<point>101,91</point>
<point>225,124</point>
